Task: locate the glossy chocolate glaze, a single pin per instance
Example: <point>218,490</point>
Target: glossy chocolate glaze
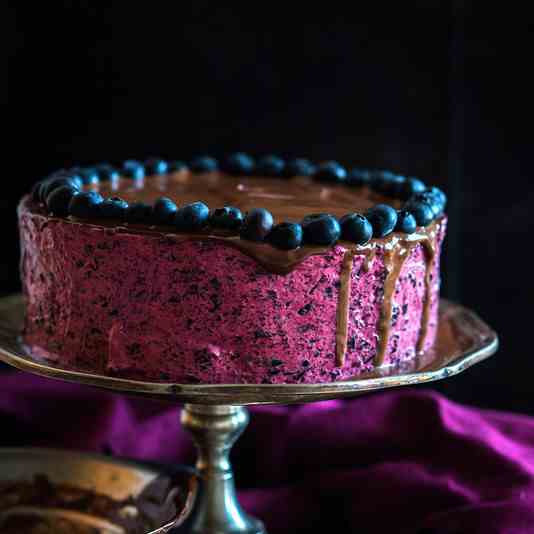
<point>288,199</point>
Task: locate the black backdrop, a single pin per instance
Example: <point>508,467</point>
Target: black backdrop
<point>428,88</point>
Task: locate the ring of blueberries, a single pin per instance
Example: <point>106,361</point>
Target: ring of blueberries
<point>62,195</point>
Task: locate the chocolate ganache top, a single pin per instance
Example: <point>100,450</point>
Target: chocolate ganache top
<point>275,216</point>
<point>290,200</point>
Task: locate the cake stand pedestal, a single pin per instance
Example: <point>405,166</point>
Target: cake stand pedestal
<point>215,429</point>
<point>215,414</point>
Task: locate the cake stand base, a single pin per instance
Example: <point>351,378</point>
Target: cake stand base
<point>216,510</point>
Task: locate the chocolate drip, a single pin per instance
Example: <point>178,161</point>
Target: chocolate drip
<point>273,260</point>
<point>369,257</point>
<point>396,253</point>
<point>430,254</point>
<point>397,249</point>
<point>394,259</point>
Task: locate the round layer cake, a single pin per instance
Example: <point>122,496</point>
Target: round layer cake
<point>236,272</point>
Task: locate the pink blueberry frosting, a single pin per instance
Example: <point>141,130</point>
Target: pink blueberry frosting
<point>155,307</point>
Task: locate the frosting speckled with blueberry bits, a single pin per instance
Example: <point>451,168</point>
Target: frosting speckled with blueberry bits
<point>231,270</point>
<point>159,193</point>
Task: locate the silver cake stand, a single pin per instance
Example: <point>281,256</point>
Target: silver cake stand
<point>215,415</point>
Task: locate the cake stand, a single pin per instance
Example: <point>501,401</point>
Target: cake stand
<point>215,415</point>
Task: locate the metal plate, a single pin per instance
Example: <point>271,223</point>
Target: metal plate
<point>463,340</point>
<point>116,479</point>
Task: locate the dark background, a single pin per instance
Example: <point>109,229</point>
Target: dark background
<point>433,89</point>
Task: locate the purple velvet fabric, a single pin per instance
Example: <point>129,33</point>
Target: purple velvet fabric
<point>409,460</point>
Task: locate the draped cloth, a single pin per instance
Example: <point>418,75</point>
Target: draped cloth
<point>399,461</point>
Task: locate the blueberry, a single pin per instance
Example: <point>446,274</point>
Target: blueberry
<point>133,169</point>
<point>191,217</point>
<point>257,224</point>
<point>113,208</point>
<point>286,236</point>
<point>330,171</point>
<point>406,222</point>
<point>238,164</point>
<point>430,199</point>
<point>439,197</point>
<point>85,205</point>
<point>299,167</point>
<point>107,173</point>
<point>156,166</point>
<point>59,199</point>
<point>386,182</point>
<point>89,175</point>
<point>177,166</point>
<point>77,181</point>
<point>356,228</point>
<point>139,213</point>
<point>53,183</point>
<point>422,212</point>
<point>74,175</point>
<point>227,218</point>
<point>36,192</point>
<point>359,177</point>
<point>383,219</point>
<point>396,186</point>
<point>204,164</point>
<point>41,190</point>
<point>270,166</point>
<point>411,187</point>
<point>164,211</point>
<point>320,229</point>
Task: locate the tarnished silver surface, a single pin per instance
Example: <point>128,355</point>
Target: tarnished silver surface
<point>463,340</point>
<point>215,415</point>
<point>215,429</point>
<point>117,479</point>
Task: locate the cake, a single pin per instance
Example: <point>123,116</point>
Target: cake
<point>40,506</point>
<point>232,271</point>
